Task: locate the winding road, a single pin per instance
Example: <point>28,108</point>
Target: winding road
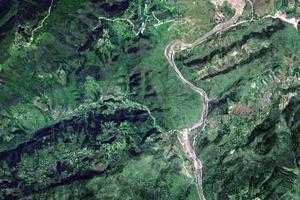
<point>186,137</point>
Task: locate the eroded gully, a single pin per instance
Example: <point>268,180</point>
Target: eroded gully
<point>186,137</point>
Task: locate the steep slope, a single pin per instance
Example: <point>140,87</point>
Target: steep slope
<point>249,147</point>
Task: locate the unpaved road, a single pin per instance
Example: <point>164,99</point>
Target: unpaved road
<point>186,137</point>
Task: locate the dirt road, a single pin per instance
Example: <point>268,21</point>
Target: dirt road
<point>186,137</point>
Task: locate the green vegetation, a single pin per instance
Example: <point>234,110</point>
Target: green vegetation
<point>249,139</point>
<point>89,109</point>
<point>286,6</point>
<point>227,10</point>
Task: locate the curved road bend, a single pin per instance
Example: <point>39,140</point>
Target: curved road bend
<point>186,138</point>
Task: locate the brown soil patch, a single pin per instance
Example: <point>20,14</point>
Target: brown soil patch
<point>237,5</point>
<point>262,7</point>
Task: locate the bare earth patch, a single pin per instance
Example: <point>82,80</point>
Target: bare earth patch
<point>237,5</point>
<point>262,7</point>
<point>283,17</point>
